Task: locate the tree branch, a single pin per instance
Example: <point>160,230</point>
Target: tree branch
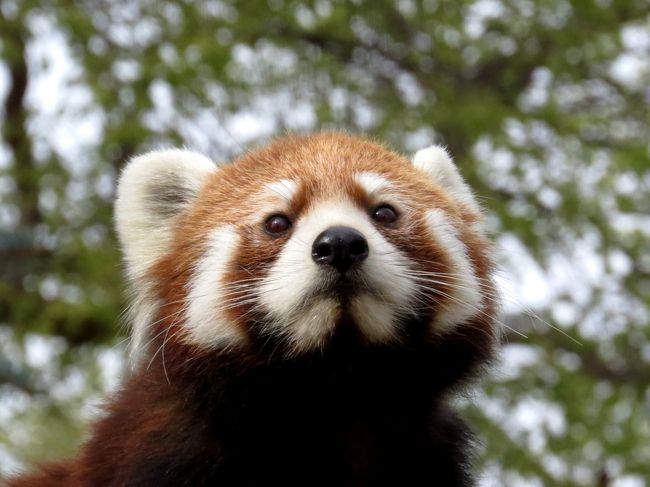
<point>26,176</point>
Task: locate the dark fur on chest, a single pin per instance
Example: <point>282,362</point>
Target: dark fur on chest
<point>351,416</point>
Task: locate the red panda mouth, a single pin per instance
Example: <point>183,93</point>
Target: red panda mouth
<point>343,288</point>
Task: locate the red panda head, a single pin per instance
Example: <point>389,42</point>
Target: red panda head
<point>293,241</point>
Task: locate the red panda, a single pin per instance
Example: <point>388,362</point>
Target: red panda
<point>301,316</point>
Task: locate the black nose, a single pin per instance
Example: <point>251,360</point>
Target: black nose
<point>339,247</point>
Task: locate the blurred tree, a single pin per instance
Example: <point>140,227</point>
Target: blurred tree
<point>545,105</point>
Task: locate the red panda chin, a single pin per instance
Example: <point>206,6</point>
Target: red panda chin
<point>301,315</point>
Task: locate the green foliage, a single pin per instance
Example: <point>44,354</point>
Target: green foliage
<point>543,103</point>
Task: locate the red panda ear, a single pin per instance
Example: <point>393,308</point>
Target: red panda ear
<point>437,163</point>
<point>152,190</point>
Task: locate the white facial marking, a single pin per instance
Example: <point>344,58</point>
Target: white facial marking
<point>206,324</point>
<point>295,276</point>
<point>371,182</point>
<point>378,189</point>
<point>285,188</point>
<point>312,328</point>
<point>464,299</point>
<point>375,318</point>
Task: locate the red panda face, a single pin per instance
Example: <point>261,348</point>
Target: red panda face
<point>296,240</point>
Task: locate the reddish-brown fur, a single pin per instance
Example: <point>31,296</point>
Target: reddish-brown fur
<point>163,411</point>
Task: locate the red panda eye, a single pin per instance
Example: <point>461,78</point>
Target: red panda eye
<point>384,214</point>
<point>277,225</point>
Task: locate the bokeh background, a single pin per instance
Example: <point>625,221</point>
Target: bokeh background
<point>545,105</point>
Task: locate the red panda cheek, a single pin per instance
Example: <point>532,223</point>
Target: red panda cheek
<point>256,253</point>
<point>444,264</point>
<point>464,299</point>
<point>207,322</point>
<point>251,262</point>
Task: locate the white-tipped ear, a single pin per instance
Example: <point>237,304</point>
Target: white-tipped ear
<point>152,190</point>
<point>436,162</point>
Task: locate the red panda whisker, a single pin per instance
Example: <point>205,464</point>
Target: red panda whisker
<point>448,277</point>
<point>485,293</point>
<point>437,273</point>
<point>234,295</point>
<point>456,280</point>
<point>176,333</point>
<point>444,282</point>
<point>448,281</point>
<point>230,294</point>
<point>163,355</point>
<point>250,279</point>
<point>153,356</point>
<point>176,314</point>
<point>477,310</point>
<point>498,296</point>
